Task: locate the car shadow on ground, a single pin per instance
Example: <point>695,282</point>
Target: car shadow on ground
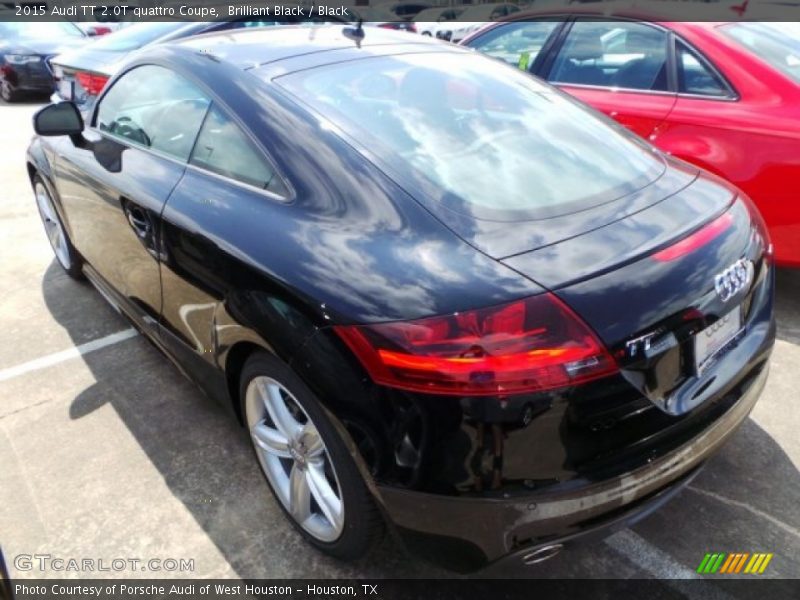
<point>27,100</point>
<point>787,305</point>
<point>204,458</point>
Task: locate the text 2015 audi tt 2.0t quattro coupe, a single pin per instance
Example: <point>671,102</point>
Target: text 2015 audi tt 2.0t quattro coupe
<point>436,291</point>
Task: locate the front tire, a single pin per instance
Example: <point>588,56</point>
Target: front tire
<point>8,92</point>
<point>305,461</point>
<point>65,252</point>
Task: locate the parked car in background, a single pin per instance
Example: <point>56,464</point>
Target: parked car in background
<point>82,74</point>
<point>724,96</point>
<point>99,28</point>
<point>431,20</point>
<point>475,17</point>
<point>378,16</point>
<point>26,49</point>
<point>405,11</point>
<point>438,293</point>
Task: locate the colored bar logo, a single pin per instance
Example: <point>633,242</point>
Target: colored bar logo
<point>737,562</point>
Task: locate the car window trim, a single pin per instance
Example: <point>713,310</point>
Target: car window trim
<point>672,57</point>
<point>731,96</point>
<point>554,35</point>
<point>213,100</point>
<point>612,90</point>
<point>671,85</point>
<point>257,148</point>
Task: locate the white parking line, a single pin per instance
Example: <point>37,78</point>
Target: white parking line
<point>64,355</point>
<point>662,566</point>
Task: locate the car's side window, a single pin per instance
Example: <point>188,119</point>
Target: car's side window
<point>617,54</point>
<point>224,149</point>
<point>156,108</point>
<point>695,77</point>
<point>516,43</point>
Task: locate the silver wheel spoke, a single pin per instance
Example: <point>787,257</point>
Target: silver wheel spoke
<point>299,495</point>
<point>279,411</point>
<point>312,441</point>
<point>326,498</point>
<point>53,234</point>
<point>45,206</point>
<point>271,440</point>
<point>52,226</point>
<point>294,458</point>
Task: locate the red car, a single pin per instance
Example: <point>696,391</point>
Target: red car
<point>724,96</point>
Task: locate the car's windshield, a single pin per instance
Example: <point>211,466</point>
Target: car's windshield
<point>44,30</point>
<point>135,36</point>
<point>775,43</point>
<point>488,138</point>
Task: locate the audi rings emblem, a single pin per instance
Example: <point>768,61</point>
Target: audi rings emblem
<point>734,279</point>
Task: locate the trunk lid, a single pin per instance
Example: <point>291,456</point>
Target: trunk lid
<point>650,311</point>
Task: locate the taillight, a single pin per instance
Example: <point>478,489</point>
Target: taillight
<point>92,83</point>
<point>532,345</point>
<point>696,240</point>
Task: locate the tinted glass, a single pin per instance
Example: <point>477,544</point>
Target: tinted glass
<point>613,54</point>
<point>224,149</point>
<point>695,77</point>
<point>486,137</point>
<point>155,108</point>
<point>135,36</point>
<point>778,44</point>
<point>518,43</point>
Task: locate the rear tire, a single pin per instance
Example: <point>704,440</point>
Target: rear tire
<point>65,252</point>
<point>305,462</point>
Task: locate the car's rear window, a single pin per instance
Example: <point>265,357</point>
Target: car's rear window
<point>778,44</point>
<point>486,136</point>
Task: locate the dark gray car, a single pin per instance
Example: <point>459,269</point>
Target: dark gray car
<point>25,52</point>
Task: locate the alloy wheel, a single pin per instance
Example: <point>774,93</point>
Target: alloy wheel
<point>294,458</point>
<point>52,225</point>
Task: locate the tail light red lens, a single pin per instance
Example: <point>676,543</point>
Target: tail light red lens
<point>92,83</point>
<point>533,345</point>
<point>696,240</point>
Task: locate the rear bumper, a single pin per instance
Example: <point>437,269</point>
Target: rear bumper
<point>466,534</point>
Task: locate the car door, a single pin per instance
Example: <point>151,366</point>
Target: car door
<point>114,185</point>
<point>689,133</point>
<point>228,177</point>
<point>618,67</point>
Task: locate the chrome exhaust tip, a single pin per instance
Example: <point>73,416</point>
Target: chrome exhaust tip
<point>542,554</point>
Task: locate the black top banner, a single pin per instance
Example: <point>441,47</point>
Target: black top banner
<point>398,11</point>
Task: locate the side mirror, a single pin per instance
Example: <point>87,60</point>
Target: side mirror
<point>63,118</point>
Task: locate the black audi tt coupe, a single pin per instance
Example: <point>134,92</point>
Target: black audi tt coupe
<point>440,295</point>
